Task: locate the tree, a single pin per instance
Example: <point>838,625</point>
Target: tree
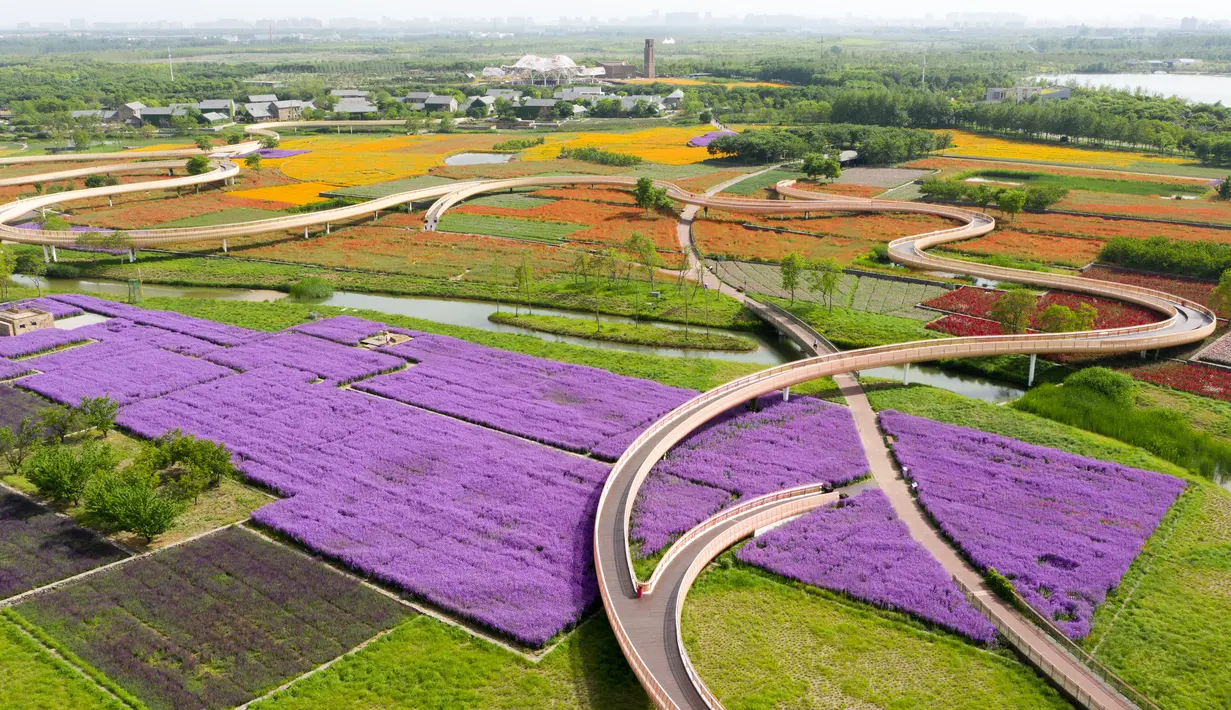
<point>982,196</point>
<point>18,443</point>
<point>1220,299</point>
<point>198,164</point>
<point>269,142</point>
<point>582,266</point>
<point>253,161</point>
<point>1040,198</point>
<point>56,223</point>
<point>81,139</point>
<point>644,253</point>
<point>1011,202</point>
<point>1085,317</point>
<point>99,413</point>
<point>148,131</point>
<point>1014,310</point>
<point>62,474</point>
<point>58,421</point>
<point>821,165</point>
<point>447,124</point>
<point>1224,188</point>
<point>505,109</point>
<point>1057,319</point>
<point>204,143</point>
<point>524,276</point>
<point>414,124</point>
<point>205,464</point>
<point>649,197</point>
<point>792,268</point>
<point>942,141</point>
<point>30,265</point>
<point>824,277</point>
<point>7,265</point>
<point>131,500</point>
<point>234,138</point>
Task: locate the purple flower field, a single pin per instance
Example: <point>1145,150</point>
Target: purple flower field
<point>330,361</point>
<point>218,333</point>
<point>274,153</point>
<point>55,308</point>
<point>1063,528</point>
<point>570,406</point>
<point>861,548</point>
<point>704,140</point>
<point>743,454</point>
<point>479,522</point>
<point>127,377</point>
<point>39,547</point>
<point>10,369</point>
<point>347,330</point>
<point>38,340</point>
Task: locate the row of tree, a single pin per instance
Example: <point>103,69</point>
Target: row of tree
<point>876,145</point>
<point>1007,199</point>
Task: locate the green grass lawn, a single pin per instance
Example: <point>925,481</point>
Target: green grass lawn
<point>229,216</point>
<point>761,182</point>
<point>1091,184</point>
<point>33,679</point>
<point>392,187</point>
<point>550,232</point>
<point>762,643</point>
<point>1174,603</point>
<point>849,328</point>
<point>511,200</point>
<point>426,664</point>
<point>643,334</point>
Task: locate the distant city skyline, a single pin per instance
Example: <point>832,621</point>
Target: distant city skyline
<point>80,14</point>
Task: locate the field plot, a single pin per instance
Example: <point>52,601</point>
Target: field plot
<point>978,302</point>
<point>1063,528</point>
<point>582,220</point>
<point>391,187</point>
<point>757,185</point>
<point>860,547</point>
<point>742,454</point>
<point>39,547</point>
<point>15,405</point>
<point>1104,228</point>
<point>33,678</point>
<point>212,623</point>
<point>233,215</point>
<point>1030,246</point>
<point>977,145</point>
<point>1149,207</point>
<point>465,222</point>
<point>350,160</point>
<point>661,144</point>
<point>732,240</point>
<point>1205,380</point>
<point>758,642</point>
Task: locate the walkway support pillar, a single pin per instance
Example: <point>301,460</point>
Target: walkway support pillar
<point>305,232</point>
<point>224,246</point>
<point>905,373</point>
<point>46,256</point>
<point>53,254</point>
<point>327,226</point>
<point>786,394</point>
<point>132,255</point>
<point>1030,377</point>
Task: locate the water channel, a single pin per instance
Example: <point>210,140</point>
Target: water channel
<point>1201,88</point>
<point>478,158</point>
<point>474,314</point>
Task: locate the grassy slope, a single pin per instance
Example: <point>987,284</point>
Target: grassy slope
<point>1174,603</point>
<point>426,664</point>
<point>31,678</point>
<point>626,332</point>
<point>762,643</point>
<point>229,216</point>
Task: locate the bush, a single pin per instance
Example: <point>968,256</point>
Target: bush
<point>16,443</point>
<point>58,422</point>
<point>1001,586</point>
<point>313,288</point>
<point>62,474</point>
<point>1117,386</point>
<point>514,144</point>
<point>601,157</point>
<point>62,271</point>
<point>205,464</point>
<point>132,501</point>
<point>1187,258</point>
<point>99,413</point>
<point>197,165</point>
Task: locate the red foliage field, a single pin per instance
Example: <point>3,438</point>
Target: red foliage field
<point>607,224</point>
<point>1192,377</point>
<point>1193,289</point>
<point>978,302</point>
<point>960,325</point>
<point>839,188</point>
<point>1043,248</point>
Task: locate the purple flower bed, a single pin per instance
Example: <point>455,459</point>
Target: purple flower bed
<point>743,454</point>
<point>72,228</point>
<point>1063,528</point>
<point>219,333</point>
<point>37,341</point>
<point>475,521</point>
<point>10,369</point>
<point>274,153</point>
<point>213,623</point>
<point>704,140</point>
<point>569,406</point>
<point>860,547</point>
<point>347,330</point>
<point>327,360</point>
<point>39,547</point>
<point>127,376</point>
<point>55,308</point>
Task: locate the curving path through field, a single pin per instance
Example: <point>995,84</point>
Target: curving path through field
<point>645,615</point>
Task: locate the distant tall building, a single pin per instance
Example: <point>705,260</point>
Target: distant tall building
<point>649,59</point>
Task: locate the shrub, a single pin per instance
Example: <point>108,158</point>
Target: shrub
<point>313,288</point>
<point>58,422</point>
<point>197,165</point>
<point>205,464</point>
<point>1002,587</point>
<point>99,413</point>
<point>62,271</point>
<point>1116,386</point>
<point>132,501</point>
<point>19,442</point>
<point>601,157</point>
<point>514,144</point>
<point>62,474</point>
<point>1188,258</point>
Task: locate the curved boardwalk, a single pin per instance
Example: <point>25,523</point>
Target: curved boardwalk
<point>645,617</point>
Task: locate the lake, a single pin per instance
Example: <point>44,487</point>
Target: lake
<point>478,158</point>
<point>1202,88</point>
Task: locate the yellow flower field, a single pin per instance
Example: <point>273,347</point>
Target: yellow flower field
<point>362,160</point>
<point>300,193</point>
<point>976,145</point>
<point>664,144</point>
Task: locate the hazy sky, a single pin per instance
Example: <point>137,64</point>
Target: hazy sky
<point>1103,12</point>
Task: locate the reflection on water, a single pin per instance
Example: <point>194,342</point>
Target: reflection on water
<point>478,158</point>
<point>968,385</point>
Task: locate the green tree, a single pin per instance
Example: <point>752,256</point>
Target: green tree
<point>204,463</point>
<point>131,500</point>
<point>505,110</point>
<point>99,413</point>
<point>1220,299</point>
<point>30,265</point>
<point>56,223</point>
<point>1011,202</point>
<point>60,473</point>
<point>1085,317</point>
<point>982,196</point>
<point>1057,318</point>
<point>793,265</point>
<point>942,141</point>
<point>269,142</point>
<point>81,139</point>
<point>643,251</point>
<point>1014,310</point>
<point>253,161</point>
<point>18,443</point>
<point>198,164</point>
<point>582,266</point>
<point>649,197</point>
<point>1040,198</point>
<point>204,143</point>
<point>58,421</point>
<point>7,266</point>
<point>446,124</point>
<point>524,277</point>
<point>824,277</point>
<point>821,165</point>
<point>1224,188</point>
<point>414,124</point>
<point>148,131</point>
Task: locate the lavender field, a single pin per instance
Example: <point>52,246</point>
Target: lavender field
<point>213,623</point>
<point>743,454</point>
<point>1063,528</point>
<point>860,547</point>
<point>38,547</point>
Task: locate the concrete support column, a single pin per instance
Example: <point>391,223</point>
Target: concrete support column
<point>1030,377</point>
<point>786,394</point>
<point>53,254</point>
<point>132,255</point>
<point>109,202</point>
<point>327,226</point>
<point>376,217</point>
<point>305,232</point>
<point>224,246</point>
<point>905,373</point>
<point>46,256</point>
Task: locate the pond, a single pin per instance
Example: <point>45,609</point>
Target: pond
<point>473,314</point>
<point>1202,88</point>
<point>478,158</point>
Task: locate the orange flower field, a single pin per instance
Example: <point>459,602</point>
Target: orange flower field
<point>607,224</point>
<point>662,144</point>
<point>299,193</point>
<point>1044,248</point>
<point>589,194</point>
<point>949,166</point>
<point>1148,207</point>
<point>1106,228</point>
<point>837,188</point>
<point>733,241</point>
<point>872,227</point>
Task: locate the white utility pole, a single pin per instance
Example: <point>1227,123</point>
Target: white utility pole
<point>170,65</point>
